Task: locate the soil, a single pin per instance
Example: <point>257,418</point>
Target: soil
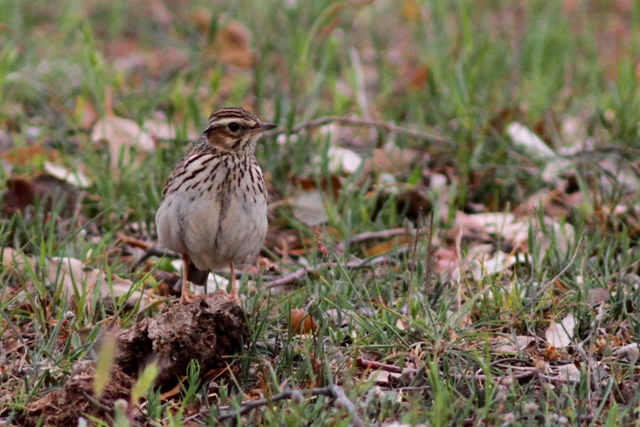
<point>207,330</point>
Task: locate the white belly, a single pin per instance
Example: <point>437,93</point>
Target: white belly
<point>211,233</point>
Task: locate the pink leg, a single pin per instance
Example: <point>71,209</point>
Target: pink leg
<point>186,296</point>
<point>234,285</point>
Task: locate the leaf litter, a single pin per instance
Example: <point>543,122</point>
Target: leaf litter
<point>483,248</point>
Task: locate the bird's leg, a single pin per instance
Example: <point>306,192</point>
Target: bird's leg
<point>186,296</point>
<point>233,296</point>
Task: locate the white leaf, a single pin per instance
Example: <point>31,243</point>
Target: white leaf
<point>308,207</point>
<point>509,345</point>
<point>569,372</point>
<point>343,160</point>
<point>75,178</point>
<point>530,142</point>
<point>628,353</point>
<point>74,276</point>
<point>121,134</point>
<point>560,334</point>
<point>159,129</point>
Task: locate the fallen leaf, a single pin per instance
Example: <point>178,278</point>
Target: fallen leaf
<point>559,335</point>
<point>309,202</point>
<point>389,245</point>
<point>232,45</point>
<point>392,159</point>
<point>22,193</point>
<point>301,323</point>
<point>341,160</point>
<point>628,353</point>
<point>159,129</point>
<point>122,135</point>
<point>535,148</point>
<point>507,344</point>
<point>499,262</point>
<point>309,207</point>
<point>75,278</point>
<point>524,138</point>
<point>29,155</point>
<point>75,178</point>
<point>568,372</point>
<point>596,296</point>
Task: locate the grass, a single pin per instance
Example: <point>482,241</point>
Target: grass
<point>463,70</point>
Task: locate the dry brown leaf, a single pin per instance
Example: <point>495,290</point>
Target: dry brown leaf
<point>22,193</point>
<point>389,245</point>
<point>202,18</point>
<point>392,159</point>
<point>29,155</point>
<point>301,322</point>
<point>412,10</point>
<point>233,45</point>
<point>122,135</point>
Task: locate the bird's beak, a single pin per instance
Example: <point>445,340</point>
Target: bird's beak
<point>262,127</point>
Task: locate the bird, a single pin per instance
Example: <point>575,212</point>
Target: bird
<point>214,203</point>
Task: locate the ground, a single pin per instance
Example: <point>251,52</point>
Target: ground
<point>453,213</point>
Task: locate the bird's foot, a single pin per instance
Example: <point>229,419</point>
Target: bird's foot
<point>186,297</point>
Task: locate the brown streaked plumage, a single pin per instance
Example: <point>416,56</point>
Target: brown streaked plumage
<point>214,204</point>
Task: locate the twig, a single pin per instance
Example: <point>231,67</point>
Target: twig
<point>527,375</point>
<point>297,275</point>
<point>372,364</point>
<point>605,150</point>
<point>334,392</point>
<point>384,234</point>
<point>427,280</point>
<point>413,258</point>
<point>350,121</point>
<point>156,251</point>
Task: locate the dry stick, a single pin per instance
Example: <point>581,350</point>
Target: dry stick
<point>427,280</point>
<point>297,275</point>
<point>349,121</point>
<point>384,234</point>
<point>334,392</point>
<point>527,375</point>
<point>413,267</point>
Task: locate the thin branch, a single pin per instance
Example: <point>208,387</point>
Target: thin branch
<point>384,234</point>
<point>523,376</point>
<point>299,274</point>
<point>350,121</point>
<point>333,392</point>
<point>413,268</point>
<point>427,280</point>
<point>606,150</point>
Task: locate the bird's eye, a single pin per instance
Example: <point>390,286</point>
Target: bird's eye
<point>233,127</point>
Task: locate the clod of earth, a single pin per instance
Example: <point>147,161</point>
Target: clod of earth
<point>208,330</point>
